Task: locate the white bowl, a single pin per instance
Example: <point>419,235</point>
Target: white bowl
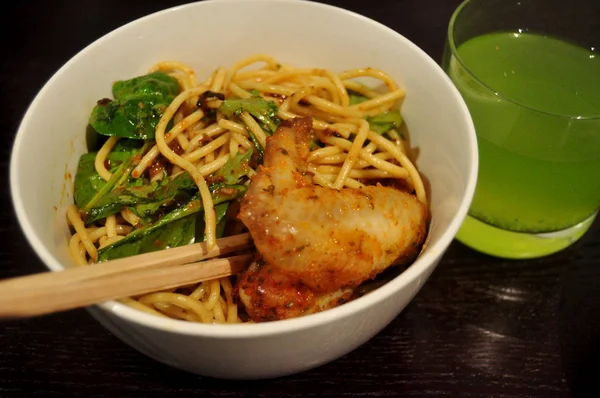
<point>205,35</point>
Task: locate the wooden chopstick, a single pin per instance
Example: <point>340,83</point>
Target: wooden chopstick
<point>48,292</point>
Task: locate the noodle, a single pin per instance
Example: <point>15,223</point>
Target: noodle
<point>352,154</point>
<point>99,163</point>
<point>201,140</point>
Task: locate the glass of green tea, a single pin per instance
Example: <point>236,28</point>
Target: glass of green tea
<point>529,72</point>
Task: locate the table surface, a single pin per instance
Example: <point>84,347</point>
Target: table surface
<point>481,326</point>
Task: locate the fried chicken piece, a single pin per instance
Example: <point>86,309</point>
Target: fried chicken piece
<point>318,244</point>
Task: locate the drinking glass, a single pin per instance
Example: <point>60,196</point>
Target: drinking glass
<point>529,72</point>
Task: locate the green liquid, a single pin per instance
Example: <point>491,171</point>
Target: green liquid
<point>539,142</point>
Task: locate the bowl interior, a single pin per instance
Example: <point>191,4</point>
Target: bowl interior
<point>218,33</point>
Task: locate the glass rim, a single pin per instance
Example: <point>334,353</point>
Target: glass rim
<point>498,94</point>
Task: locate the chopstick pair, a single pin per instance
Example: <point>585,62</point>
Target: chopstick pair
<point>48,292</point>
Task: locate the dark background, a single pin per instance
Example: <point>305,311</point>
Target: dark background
<point>480,327</point>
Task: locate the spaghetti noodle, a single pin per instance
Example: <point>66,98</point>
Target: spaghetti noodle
<point>200,140</point>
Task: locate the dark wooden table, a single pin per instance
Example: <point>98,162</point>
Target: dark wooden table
<point>480,327</point>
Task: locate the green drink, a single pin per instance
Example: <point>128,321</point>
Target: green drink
<point>535,103</point>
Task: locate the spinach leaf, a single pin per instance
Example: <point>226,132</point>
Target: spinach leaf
<point>145,199</point>
<point>91,195</point>
<point>155,85</point>
<point>221,217</point>
<point>235,168</point>
<point>88,182</point>
<point>261,109</point>
<point>93,140</point>
<point>385,122</point>
<point>381,123</point>
<point>137,107</point>
<point>259,149</point>
<point>178,189</point>
<point>125,146</point>
<point>182,186</point>
<point>145,238</point>
<point>356,98</point>
<point>221,211</point>
<point>178,233</point>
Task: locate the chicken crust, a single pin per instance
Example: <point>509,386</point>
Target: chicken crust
<point>317,244</point>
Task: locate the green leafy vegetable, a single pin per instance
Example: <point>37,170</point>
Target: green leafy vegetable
<point>221,211</point>
<point>153,85</point>
<point>261,109</point>
<point>98,200</point>
<point>170,230</point>
<point>221,216</point>
<point>356,98</point>
<point>176,190</point>
<point>235,168</point>
<point>137,106</point>
<point>144,200</point>
<point>259,149</point>
<point>180,189</point>
<point>90,189</point>
<point>93,140</point>
<point>179,232</point>
<point>124,149</point>
<point>381,123</point>
<point>385,122</point>
<point>87,181</point>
